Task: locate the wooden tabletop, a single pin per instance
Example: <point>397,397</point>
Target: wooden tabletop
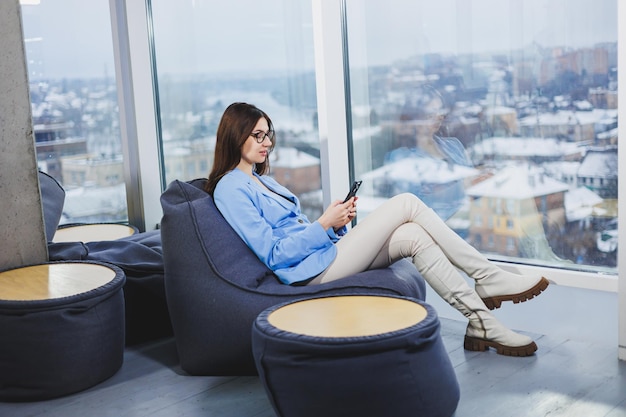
<point>48,281</point>
<point>347,316</point>
<point>92,232</point>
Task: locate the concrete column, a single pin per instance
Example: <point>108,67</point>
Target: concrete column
<point>22,233</point>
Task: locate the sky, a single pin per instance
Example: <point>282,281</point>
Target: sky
<point>462,26</point>
<point>72,38</point>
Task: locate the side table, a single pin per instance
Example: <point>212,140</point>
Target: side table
<point>356,355</point>
<point>61,327</point>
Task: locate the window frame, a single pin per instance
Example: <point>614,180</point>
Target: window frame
<point>143,161</point>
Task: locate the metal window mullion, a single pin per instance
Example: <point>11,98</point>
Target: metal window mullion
<point>134,66</point>
<point>621,255</point>
<point>332,98</point>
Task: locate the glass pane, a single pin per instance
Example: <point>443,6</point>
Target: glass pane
<point>74,102</point>
<point>210,54</point>
<point>501,115</point>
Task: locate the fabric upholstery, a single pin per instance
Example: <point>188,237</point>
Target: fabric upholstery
<point>215,286</point>
<point>59,346</point>
<point>140,257</point>
<point>53,198</point>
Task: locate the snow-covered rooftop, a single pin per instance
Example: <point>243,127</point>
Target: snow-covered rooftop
<point>291,158</point>
<point>599,163</point>
<point>525,147</point>
<point>422,170</point>
<point>499,110</point>
<point>517,182</point>
<point>93,201</point>
<point>579,203</point>
<point>565,117</point>
<point>556,168</point>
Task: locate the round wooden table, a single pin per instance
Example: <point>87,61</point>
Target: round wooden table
<point>354,355</point>
<point>62,328</point>
<point>354,316</point>
<point>55,280</point>
<point>93,232</point>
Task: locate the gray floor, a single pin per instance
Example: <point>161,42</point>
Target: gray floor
<point>575,372</point>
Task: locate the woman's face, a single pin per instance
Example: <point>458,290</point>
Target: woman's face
<point>253,152</point>
<point>433,114</point>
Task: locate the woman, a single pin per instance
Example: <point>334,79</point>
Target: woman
<point>423,115</point>
<point>268,218</point>
<point>427,108</point>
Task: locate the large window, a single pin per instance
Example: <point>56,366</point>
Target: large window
<point>492,109</point>
<point>74,103</point>
<point>210,54</point>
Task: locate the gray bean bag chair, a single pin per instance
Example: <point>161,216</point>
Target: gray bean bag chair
<point>52,200</point>
<point>216,287</point>
<point>139,256</point>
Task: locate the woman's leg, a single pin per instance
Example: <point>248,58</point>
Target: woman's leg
<point>493,284</point>
<point>483,330</point>
<point>369,248</point>
<point>365,246</point>
<point>390,235</point>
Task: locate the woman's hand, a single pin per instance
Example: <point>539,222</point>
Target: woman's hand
<point>338,214</point>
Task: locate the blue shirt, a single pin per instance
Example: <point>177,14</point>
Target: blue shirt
<point>273,226</point>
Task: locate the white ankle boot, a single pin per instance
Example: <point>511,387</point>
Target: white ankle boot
<point>484,330</point>
<point>503,286</point>
<point>493,284</point>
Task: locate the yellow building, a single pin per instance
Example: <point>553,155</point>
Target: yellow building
<point>509,212</point>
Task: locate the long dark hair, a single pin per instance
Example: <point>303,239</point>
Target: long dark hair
<point>236,125</point>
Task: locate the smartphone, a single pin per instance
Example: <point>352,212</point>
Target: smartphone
<point>353,190</point>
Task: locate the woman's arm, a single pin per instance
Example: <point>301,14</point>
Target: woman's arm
<point>275,234</point>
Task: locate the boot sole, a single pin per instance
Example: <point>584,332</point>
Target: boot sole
<point>479,345</point>
<point>495,302</point>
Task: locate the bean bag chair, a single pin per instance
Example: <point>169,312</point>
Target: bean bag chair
<point>138,255</point>
<point>215,285</point>
<point>52,199</point>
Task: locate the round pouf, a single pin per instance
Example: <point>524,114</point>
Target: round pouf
<point>354,355</point>
<point>61,328</point>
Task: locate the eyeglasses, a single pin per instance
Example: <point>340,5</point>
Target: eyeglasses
<point>260,136</point>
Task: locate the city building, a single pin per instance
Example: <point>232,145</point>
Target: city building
<point>509,212</point>
<point>598,171</point>
<point>438,183</point>
<point>296,170</point>
<point>574,126</point>
<point>92,170</point>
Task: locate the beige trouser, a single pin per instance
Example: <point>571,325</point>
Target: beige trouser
<point>390,233</point>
